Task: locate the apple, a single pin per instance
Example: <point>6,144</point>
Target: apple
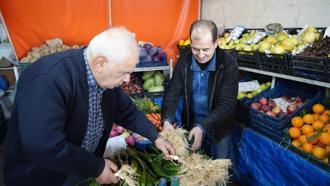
<point>277,110</point>
<point>291,108</point>
<point>271,104</point>
<point>255,106</point>
<point>265,108</point>
<point>263,101</point>
<point>271,113</point>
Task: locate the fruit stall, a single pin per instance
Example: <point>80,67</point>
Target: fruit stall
<point>282,132</point>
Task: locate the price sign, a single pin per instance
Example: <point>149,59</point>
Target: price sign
<point>248,86</point>
<point>282,103</point>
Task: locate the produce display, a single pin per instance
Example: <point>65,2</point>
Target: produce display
<point>155,119</point>
<point>251,94</point>
<point>281,43</point>
<point>51,46</point>
<point>146,105</point>
<point>184,43</point>
<point>133,86</point>
<point>142,167</point>
<point>278,107</point>
<point>310,132</point>
<point>150,53</point>
<point>319,49</point>
<point>153,81</point>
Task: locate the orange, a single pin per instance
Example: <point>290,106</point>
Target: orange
<point>324,118</point>
<point>297,121</point>
<point>308,147</point>
<point>317,125</point>
<point>326,112</point>
<point>307,129</point>
<point>308,118</point>
<point>316,116</point>
<point>313,138</point>
<point>318,108</point>
<point>296,143</point>
<point>319,152</point>
<point>326,127</point>
<point>327,149</point>
<point>302,139</point>
<point>294,132</point>
<point>325,138</point>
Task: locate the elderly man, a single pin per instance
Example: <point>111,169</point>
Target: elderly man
<point>64,110</point>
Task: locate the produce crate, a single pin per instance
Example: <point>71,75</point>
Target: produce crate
<point>267,133</point>
<point>183,49</point>
<point>152,63</point>
<point>247,59</point>
<point>311,68</point>
<point>286,142</point>
<point>275,63</point>
<point>275,125</point>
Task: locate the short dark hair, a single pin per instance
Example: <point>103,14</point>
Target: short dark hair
<point>210,25</point>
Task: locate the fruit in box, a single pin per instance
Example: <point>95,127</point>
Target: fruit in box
<point>251,94</point>
<point>265,105</point>
<point>316,130</point>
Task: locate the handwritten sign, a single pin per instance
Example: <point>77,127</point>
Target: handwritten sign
<point>248,86</point>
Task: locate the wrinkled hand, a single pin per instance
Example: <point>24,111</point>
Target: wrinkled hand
<point>167,125</point>
<point>164,146</point>
<point>197,133</point>
<point>107,176</point>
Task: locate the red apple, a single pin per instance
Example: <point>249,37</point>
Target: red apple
<point>291,108</point>
<point>255,106</point>
<point>271,104</point>
<point>277,110</point>
<point>263,101</point>
<point>265,108</point>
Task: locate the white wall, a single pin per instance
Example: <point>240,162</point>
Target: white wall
<point>258,13</point>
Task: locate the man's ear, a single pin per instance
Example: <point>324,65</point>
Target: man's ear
<point>99,63</point>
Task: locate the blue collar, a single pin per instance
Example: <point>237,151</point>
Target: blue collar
<point>210,67</point>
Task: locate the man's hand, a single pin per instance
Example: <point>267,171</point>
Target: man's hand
<point>197,133</point>
<point>164,146</point>
<point>107,176</point>
<point>167,125</point>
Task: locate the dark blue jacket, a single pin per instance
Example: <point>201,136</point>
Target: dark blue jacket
<point>49,122</point>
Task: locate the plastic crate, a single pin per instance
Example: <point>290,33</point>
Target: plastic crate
<point>247,59</point>
<point>184,49</point>
<point>286,142</point>
<point>278,123</point>
<point>152,63</point>
<point>275,63</point>
<point>311,68</point>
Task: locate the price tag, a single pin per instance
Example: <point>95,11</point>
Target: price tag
<point>273,28</point>
<point>248,86</point>
<point>327,32</point>
<point>281,103</point>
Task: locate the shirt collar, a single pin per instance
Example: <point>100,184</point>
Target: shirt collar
<point>90,78</point>
<point>210,67</point>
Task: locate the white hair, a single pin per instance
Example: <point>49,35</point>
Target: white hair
<point>115,44</point>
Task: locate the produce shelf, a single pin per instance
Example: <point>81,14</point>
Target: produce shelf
<point>284,76</point>
<point>143,69</point>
